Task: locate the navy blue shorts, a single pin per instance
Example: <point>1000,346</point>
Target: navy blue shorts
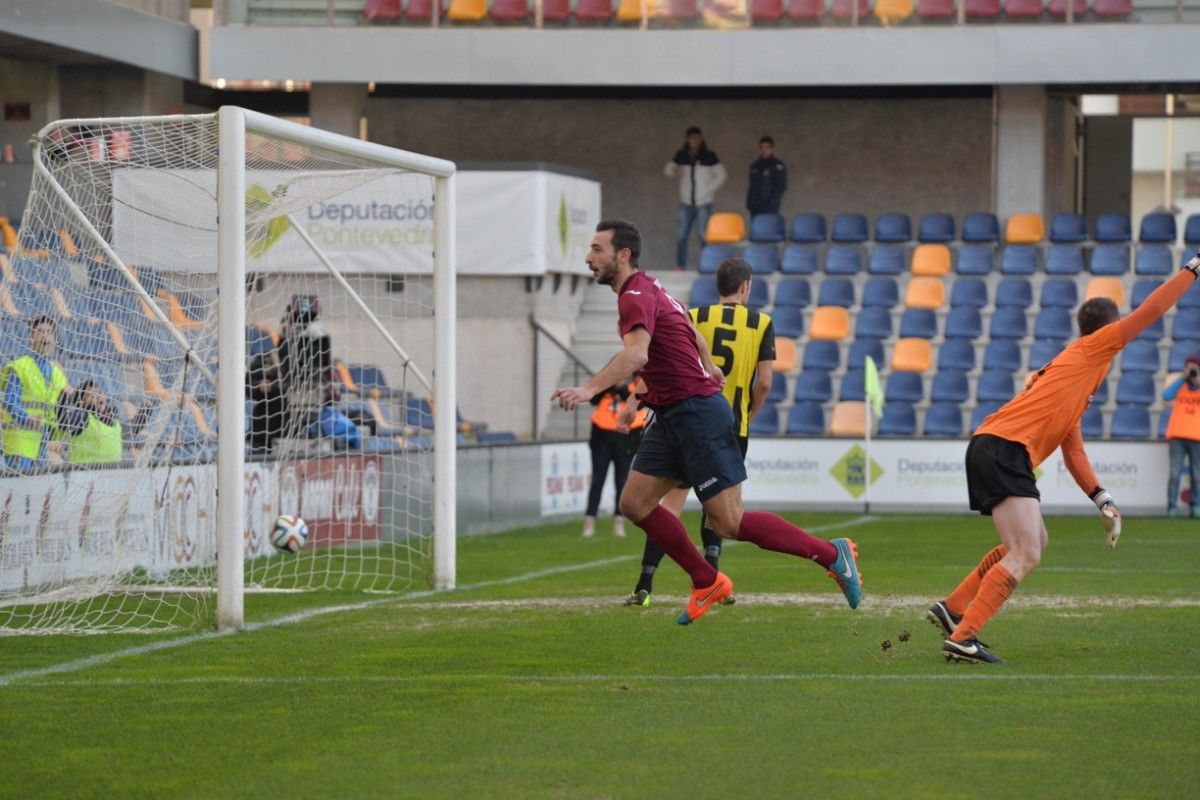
<point>694,443</point>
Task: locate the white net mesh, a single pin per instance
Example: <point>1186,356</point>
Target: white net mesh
<point>108,503</point>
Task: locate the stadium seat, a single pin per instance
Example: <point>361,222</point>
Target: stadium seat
<point>981,228</point>
<point>788,321</point>
<point>799,259</point>
<point>994,386</point>
<point>779,388</point>
<point>423,9</point>
<point>1136,387</point>
<point>806,10</point>
<point>1024,229</point>
<point>830,323</point>
<point>1112,9</point>
<point>1164,419</point>
<point>711,256</point>
<point>881,292</point>
<point>843,260</point>
<point>1157,228</point>
<point>1068,229</point>
<point>760,295</point>
<point>1191,298</point>
<point>1053,323</point>
<point>969,292</point>
<point>1110,259</point>
<point>592,10</point>
<point>936,9</point>
<point>725,227</point>
<point>912,355</point>
<point>417,412</point>
<point>1016,292</point>
<point>845,9</point>
<point>814,386</point>
<point>1002,354</point>
<point>937,228</point>
<point>762,258</point>
<point>703,293</point>
<point>956,354</point>
<point>630,11</point>
<point>785,355</point>
<point>850,227</point>
<point>1058,9</point>
<point>886,260</point>
<point>822,354</point>
<point>918,323</point>
<point>808,228</point>
<point>766,10</point>
<point>1142,289</point>
<point>382,10</point>
<point>793,292</point>
<point>677,10</point>
<point>768,228</point>
<point>766,421</point>
<point>893,227</point>
<point>1106,287</point>
<point>950,386</point>
<point>836,292</point>
<point>1191,232</point>
<point>923,292</point>
<point>849,417</point>
<point>510,10</point>
<point>964,322</point>
<point>889,12</point>
<point>976,260</point>
<point>556,10</point>
<point>1022,9</point>
<point>873,322</point>
<point>1112,229</point>
<point>806,419</point>
<point>1060,293</point>
<point>1043,351</point>
<point>1064,259</point>
<point>1092,424</point>
<point>981,412</point>
<point>943,419</point>
<point>1100,396</point>
<point>931,260</point>
<point>1154,331</point>
<point>1179,353</point>
<point>853,385</point>
<point>1140,356</point>
<point>906,386</point>
<point>1153,259</point>
<point>370,380</point>
<point>861,349</point>
<point>982,9</point>
<point>1130,422</point>
<point>898,419</point>
<point>1019,259</point>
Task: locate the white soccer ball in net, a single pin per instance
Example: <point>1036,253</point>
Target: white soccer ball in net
<point>289,534</point>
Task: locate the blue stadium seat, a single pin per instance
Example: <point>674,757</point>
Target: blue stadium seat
<point>793,292</point>
<point>936,228</point>
<point>860,349</point>
<point>1112,228</point>
<point>981,227</point>
<point>1154,259</point>
<point>1186,324</point>
<point>1179,353</point>
<point>969,292</point>
<point>779,388</point>
<point>943,419</point>
<point>32,302</point>
<point>882,292</point>
<point>964,322</point>
<point>1100,396</point>
<point>950,386</point>
<point>808,228</point>
<point>1014,292</point>
<point>788,321</point>
<point>495,437</point>
<point>1068,229</point>
<point>806,419</point>
<point>1019,259</point>
<point>976,259</point>
<point>1164,419</point>
<point>799,259</point>
<point>843,260</point>
<point>873,322</point>
<point>836,292</point>
<point>762,258</point>
<point>258,341</point>
<point>370,379</point>
<point>1154,331</point>
<point>768,228</point>
<point>1008,323</point>
<point>417,412</point>
<point>898,419</point>
<point>886,260</point>
<point>920,323</point>
<point>760,295</point>
<point>1191,232</point>
<point>956,354</point>
<point>813,385</point>
<point>1059,293</point>
<point>893,228</point>
<point>1130,422</point>
<point>852,387</point>
<point>1002,354</point>
<point>849,228</point>
<point>1043,351</point>
<point>1064,259</point>
<point>906,386</point>
<point>1191,298</point>
<point>1157,227</point>
<point>1136,387</point>
<point>703,293</point>
<point>766,421</point>
<point>1140,356</point>
<point>1092,423</point>
<point>981,412</point>
<point>820,354</point>
<point>995,385</point>
<point>711,256</point>
<point>1053,323</point>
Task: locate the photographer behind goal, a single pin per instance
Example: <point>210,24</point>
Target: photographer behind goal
<point>1183,433</point>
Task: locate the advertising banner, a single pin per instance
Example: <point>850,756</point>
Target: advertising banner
<point>337,497</point>
<point>566,477</point>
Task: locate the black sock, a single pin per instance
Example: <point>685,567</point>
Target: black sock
<point>712,545</point>
<point>646,580</point>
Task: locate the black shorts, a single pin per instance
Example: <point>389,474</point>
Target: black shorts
<point>997,469</point>
<point>694,443</point>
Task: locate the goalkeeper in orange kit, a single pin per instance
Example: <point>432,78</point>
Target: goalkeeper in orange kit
<point>1014,440</point>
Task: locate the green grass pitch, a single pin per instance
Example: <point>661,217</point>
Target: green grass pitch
<point>532,681</point>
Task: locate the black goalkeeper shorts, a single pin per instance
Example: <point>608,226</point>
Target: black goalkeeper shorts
<point>997,469</point>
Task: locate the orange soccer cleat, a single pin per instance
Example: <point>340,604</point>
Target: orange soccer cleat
<point>704,599</point>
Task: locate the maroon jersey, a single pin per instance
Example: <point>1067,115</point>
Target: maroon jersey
<point>673,371</point>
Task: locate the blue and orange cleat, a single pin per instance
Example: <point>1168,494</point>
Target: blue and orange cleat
<point>704,599</point>
<point>845,570</point>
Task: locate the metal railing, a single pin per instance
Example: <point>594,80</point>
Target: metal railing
<point>539,394</point>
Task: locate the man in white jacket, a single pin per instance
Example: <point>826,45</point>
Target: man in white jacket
<point>700,174</point>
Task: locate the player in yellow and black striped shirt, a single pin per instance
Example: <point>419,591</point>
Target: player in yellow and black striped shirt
<point>742,343</point>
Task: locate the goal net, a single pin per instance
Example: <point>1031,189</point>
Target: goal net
<point>208,322</point>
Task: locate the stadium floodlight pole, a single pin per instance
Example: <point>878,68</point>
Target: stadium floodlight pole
<point>445,422</point>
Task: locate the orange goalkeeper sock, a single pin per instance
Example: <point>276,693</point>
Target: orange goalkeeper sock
<point>958,600</point>
<point>994,591</point>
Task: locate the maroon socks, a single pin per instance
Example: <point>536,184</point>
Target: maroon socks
<point>773,532</point>
<point>665,530</point>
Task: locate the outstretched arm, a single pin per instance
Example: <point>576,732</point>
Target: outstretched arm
<point>1159,301</point>
<point>1081,470</point>
<point>631,359</point>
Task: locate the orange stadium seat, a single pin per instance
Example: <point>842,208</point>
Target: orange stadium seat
<point>631,10</point>
<point>1025,229</point>
<point>912,355</point>
<point>890,12</point>
<point>8,235</point>
<point>831,323</point>
<point>1106,287</point>
<point>849,418</point>
<point>467,10</point>
<point>925,292</point>
<point>785,355</point>
<point>931,259</point>
<point>725,227</point>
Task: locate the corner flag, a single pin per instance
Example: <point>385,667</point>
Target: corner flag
<point>873,391</point>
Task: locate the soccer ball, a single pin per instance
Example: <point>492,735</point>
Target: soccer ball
<point>289,534</point>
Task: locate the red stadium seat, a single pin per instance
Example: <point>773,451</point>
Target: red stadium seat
<point>556,10</point>
<point>806,9</point>
<point>844,9</point>
<point>1058,8</point>
<point>766,10</point>
<point>594,10</point>
<point>677,10</point>
<point>982,9</point>
<point>935,9</point>
<point>1112,9</point>
<point>422,9</point>
<point>1022,9</point>
<point>382,10</point>
<point>509,10</point>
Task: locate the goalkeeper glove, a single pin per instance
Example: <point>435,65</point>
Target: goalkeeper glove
<point>1110,515</point>
<point>1194,264</point>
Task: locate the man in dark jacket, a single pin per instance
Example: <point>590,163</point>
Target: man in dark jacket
<point>768,180</point>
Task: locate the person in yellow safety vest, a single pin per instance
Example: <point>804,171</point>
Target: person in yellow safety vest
<point>1183,433</point>
<point>610,446</point>
<point>90,425</point>
<point>32,385</point>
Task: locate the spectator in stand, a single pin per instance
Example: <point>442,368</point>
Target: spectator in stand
<point>1183,433</point>
<point>611,446</point>
<point>700,174</point>
<point>32,385</point>
<point>90,425</point>
<point>768,180</point>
